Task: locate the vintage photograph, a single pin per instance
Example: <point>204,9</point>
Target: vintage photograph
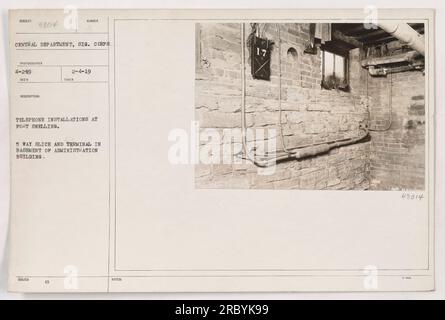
<point>336,106</point>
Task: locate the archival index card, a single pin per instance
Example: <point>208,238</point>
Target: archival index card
<point>221,150</point>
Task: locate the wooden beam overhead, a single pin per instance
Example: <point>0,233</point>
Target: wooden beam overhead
<point>373,34</point>
<point>350,29</point>
<point>338,35</point>
<point>379,41</point>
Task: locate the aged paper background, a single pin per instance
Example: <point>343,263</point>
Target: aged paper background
<point>128,226</point>
<point>130,235</point>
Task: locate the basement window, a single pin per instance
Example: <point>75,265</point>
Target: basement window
<point>334,71</point>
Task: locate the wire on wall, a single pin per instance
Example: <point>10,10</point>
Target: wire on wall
<point>245,152</point>
<point>389,105</point>
<point>280,116</point>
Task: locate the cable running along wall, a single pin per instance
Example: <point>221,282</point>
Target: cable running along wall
<point>389,105</point>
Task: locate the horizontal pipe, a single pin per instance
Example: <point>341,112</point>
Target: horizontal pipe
<point>377,71</point>
<point>310,151</point>
<point>403,57</point>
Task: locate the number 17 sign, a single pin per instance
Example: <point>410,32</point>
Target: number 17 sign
<point>260,53</point>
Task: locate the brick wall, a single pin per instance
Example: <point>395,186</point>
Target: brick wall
<point>310,114</point>
<point>397,159</point>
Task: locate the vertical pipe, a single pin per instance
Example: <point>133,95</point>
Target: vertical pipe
<point>280,123</point>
